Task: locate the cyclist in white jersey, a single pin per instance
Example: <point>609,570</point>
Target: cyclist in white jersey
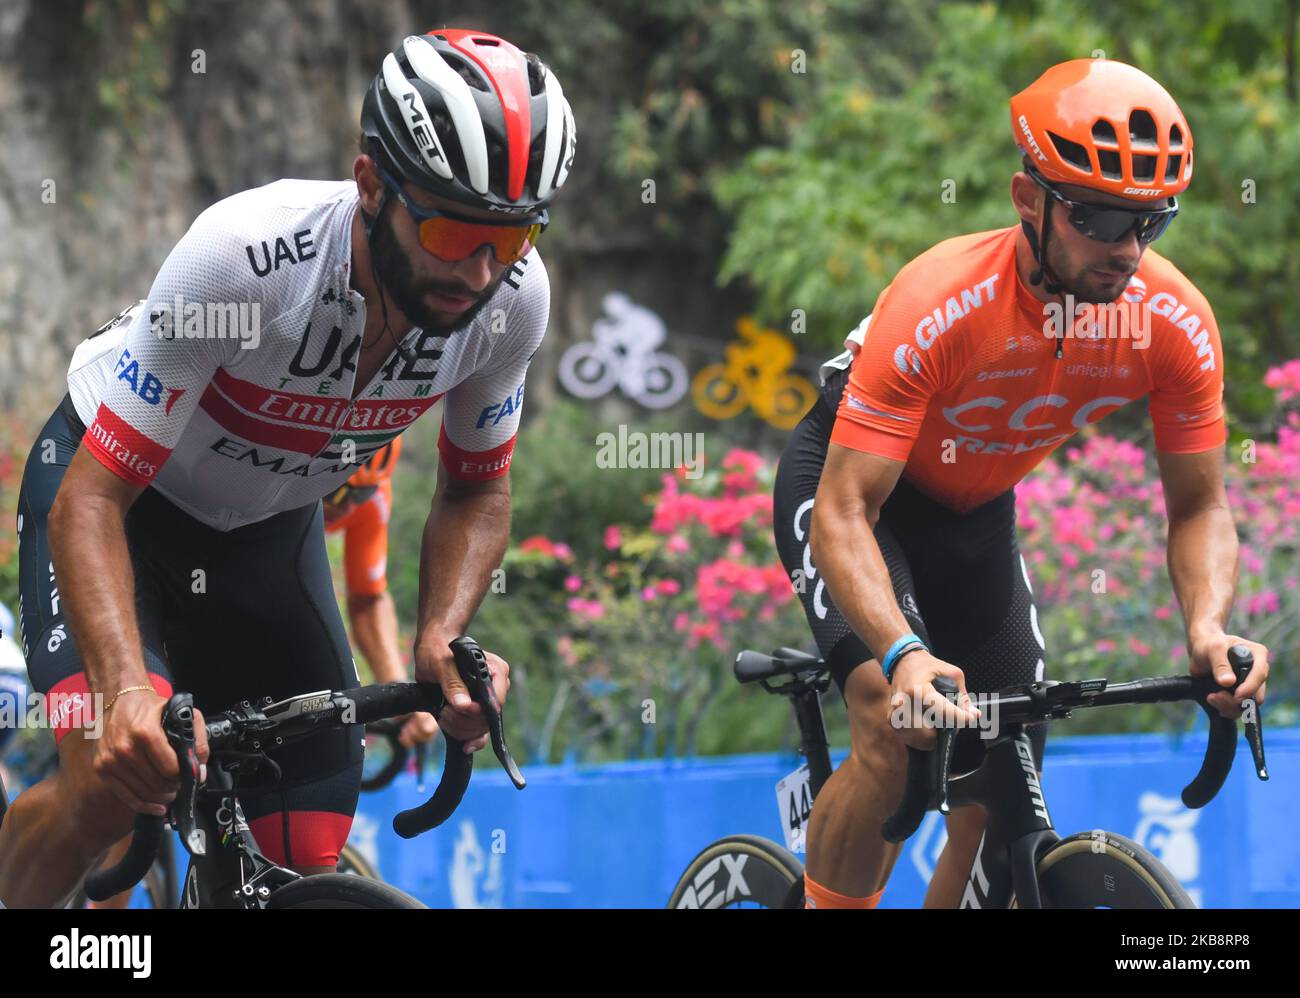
<point>169,520</point>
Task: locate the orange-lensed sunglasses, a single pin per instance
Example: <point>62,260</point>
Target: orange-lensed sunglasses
<point>452,238</point>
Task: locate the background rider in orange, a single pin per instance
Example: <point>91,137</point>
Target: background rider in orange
<point>360,509</point>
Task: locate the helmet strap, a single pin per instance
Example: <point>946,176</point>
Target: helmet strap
<point>1042,274</point>
<point>368,222</point>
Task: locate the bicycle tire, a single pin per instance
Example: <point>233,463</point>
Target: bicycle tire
<point>353,864</point>
<point>1088,871</point>
<point>768,874</point>
<point>340,890</point>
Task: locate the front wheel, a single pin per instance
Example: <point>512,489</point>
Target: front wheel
<point>741,871</point>
<point>1105,870</point>
<point>354,864</point>
<point>339,890</point>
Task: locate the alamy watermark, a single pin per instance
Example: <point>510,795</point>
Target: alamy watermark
<point>61,711</point>
<point>638,449</point>
<point>212,320</point>
<point>1098,320</point>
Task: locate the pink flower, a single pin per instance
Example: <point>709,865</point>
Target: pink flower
<point>1137,647</point>
<point>1285,380</point>
<point>668,587</point>
<point>677,544</point>
<point>1163,612</point>
<point>573,583</point>
<point>648,593</point>
<point>613,538</point>
<point>681,622</point>
<point>1103,646</point>
<point>590,608</point>
<point>563,551</point>
<point>1261,603</point>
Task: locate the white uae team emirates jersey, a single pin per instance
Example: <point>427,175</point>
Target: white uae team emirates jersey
<point>229,388</point>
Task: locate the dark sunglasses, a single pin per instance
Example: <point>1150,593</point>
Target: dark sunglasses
<point>452,238</point>
<point>1107,224</point>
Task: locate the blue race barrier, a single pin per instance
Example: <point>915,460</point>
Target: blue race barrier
<point>619,835</point>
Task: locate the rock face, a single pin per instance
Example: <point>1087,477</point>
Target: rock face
<point>121,121</point>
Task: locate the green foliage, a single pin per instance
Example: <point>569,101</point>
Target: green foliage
<point>136,72</point>
<point>824,219</point>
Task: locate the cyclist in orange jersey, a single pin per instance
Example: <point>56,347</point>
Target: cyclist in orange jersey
<point>895,496</point>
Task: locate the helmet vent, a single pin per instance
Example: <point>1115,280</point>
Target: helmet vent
<point>1144,168</point>
<point>1110,165</point>
<point>1071,152</point>
<point>1171,171</point>
<point>1175,137</point>
<point>1142,131</point>
<point>536,75</point>
<point>1104,131</point>
<point>464,71</point>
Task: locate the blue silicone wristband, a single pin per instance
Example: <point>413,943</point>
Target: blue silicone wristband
<point>905,643</point>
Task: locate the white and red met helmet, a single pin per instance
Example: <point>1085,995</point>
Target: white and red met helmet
<point>468,116</point>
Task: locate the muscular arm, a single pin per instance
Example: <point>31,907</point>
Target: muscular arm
<point>1202,556</point>
<point>1202,541</point>
<point>853,488</point>
<point>465,538</point>
<point>93,568</point>
<point>374,628</point>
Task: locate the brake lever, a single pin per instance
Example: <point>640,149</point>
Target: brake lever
<point>947,742</point>
<point>1241,660</point>
<point>927,777</point>
<point>1222,746</point>
<point>178,725</point>
<point>473,668</point>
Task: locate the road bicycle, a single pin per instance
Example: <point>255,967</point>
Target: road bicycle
<point>227,868</point>
<point>1022,861</point>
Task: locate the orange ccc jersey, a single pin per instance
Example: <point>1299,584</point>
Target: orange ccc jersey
<point>958,375</point>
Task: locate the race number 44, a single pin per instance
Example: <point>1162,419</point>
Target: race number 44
<point>794,801</point>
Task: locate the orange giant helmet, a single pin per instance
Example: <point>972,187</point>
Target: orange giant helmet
<point>1104,125</point>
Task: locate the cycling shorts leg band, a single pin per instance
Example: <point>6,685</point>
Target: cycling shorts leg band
<point>817,896</point>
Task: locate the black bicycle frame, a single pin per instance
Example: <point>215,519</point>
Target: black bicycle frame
<point>219,874</point>
<point>1019,830</point>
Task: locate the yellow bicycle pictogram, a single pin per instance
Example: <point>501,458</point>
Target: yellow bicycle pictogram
<point>756,374</point>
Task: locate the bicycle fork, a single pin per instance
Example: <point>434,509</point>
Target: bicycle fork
<point>1019,828</point>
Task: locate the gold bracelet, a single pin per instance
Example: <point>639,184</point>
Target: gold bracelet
<point>129,689</point>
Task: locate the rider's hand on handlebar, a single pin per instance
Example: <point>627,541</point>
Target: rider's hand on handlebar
<point>133,756</point>
<point>1208,655</point>
<point>462,718</point>
<point>417,728</point>
<point>916,708</point>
